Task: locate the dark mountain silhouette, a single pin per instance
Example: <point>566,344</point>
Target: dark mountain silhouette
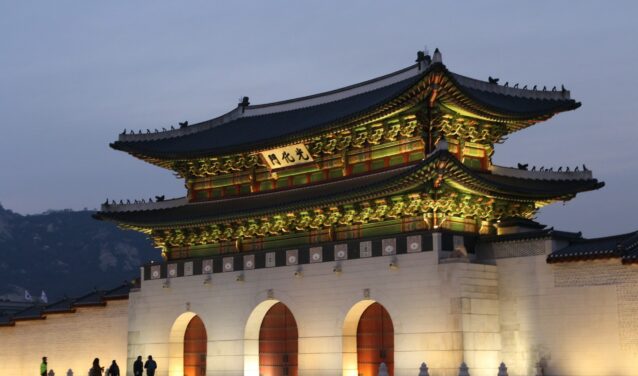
<point>66,253</point>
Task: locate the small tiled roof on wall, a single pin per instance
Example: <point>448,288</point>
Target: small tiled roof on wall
<point>39,311</point>
<point>623,247</point>
<point>546,233</point>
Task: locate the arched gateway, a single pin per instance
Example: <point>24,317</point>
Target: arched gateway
<point>195,348</point>
<point>375,341</point>
<point>187,346</point>
<point>271,341</point>
<point>278,339</point>
<point>368,340</point>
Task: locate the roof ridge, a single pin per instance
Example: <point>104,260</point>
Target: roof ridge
<point>341,89</point>
<point>164,204</point>
<point>610,237</point>
<point>540,175</point>
<point>512,91</point>
<point>240,112</point>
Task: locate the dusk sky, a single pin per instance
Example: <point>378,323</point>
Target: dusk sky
<point>74,74</point>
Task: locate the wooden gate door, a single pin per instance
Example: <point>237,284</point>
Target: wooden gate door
<point>375,341</point>
<point>278,343</point>
<point>195,348</point>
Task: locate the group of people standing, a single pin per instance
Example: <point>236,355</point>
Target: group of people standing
<point>150,365</point>
<point>114,370</point>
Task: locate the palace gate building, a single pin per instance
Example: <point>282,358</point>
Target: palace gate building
<point>328,234</point>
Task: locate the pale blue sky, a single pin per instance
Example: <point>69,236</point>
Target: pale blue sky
<point>73,74</point>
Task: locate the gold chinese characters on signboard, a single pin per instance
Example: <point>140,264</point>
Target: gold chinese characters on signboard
<point>287,156</point>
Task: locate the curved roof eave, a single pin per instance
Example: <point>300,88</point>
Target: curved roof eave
<point>370,187</point>
<point>234,132</point>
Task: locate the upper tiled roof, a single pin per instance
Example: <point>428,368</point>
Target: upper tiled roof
<point>251,127</point>
<point>253,131</point>
<point>624,247</point>
<point>517,102</point>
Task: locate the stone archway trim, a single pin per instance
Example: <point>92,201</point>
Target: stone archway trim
<point>350,367</point>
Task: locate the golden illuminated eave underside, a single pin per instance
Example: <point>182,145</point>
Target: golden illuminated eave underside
<point>433,208</point>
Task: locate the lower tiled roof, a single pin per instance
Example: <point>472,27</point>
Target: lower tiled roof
<point>352,189</point>
<point>623,247</point>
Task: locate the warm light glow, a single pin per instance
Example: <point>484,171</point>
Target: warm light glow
<point>350,324</point>
<point>176,344</point>
<point>251,337</point>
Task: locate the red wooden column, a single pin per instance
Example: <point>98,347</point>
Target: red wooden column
<point>278,343</point>
<point>375,341</point>
<point>195,340</point>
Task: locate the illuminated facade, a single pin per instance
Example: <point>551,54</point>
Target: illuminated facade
<point>326,234</point>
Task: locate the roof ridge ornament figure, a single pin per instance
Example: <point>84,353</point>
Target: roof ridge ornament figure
<point>183,124</point>
<point>441,144</point>
<point>492,80</point>
<point>437,57</point>
<point>423,58</point>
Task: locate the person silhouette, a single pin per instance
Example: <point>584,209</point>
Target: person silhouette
<point>43,366</point>
<point>150,366</point>
<point>114,369</point>
<point>138,367</point>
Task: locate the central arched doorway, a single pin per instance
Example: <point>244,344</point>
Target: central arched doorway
<point>278,342</point>
<point>195,340</point>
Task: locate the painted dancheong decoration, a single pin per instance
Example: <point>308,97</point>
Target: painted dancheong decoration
<point>409,151</point>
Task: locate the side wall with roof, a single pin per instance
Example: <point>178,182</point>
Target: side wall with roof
<point>578,318</point>
<point>70,341</point>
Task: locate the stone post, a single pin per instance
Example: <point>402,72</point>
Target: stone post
<point>383,370</point>
<point>463,370</point>
<point>423,371</point>
<point>540,370</point>
<point>502,370</point>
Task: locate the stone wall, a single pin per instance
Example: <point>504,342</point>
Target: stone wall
<point>579,317</point>
<point>69,340</point>
<point>441,313</point>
